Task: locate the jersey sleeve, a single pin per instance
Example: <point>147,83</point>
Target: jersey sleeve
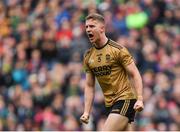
<point>124,57</point>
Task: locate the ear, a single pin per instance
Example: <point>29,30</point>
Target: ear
<point>102,28</point>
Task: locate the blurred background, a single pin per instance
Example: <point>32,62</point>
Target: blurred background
<point>42,43</point>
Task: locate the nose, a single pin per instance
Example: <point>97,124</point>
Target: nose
<point>88,29</point>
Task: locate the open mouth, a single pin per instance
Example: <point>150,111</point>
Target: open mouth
<point>90,35</point>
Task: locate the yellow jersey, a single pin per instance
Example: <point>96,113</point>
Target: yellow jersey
<point>108,64</point>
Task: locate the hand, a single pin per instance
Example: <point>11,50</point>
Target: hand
<point>138,106</point>
<point>84,118</point>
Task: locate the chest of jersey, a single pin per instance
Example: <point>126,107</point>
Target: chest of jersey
<point>101,62</point>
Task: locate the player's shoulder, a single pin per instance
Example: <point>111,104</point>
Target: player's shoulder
<point>88,52</point>
<point>115,45</point>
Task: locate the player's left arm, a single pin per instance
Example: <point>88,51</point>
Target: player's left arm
<point>137,82</point>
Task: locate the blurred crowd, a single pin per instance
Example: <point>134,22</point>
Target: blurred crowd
<point>42,43</point>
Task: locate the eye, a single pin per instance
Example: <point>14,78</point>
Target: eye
<point>92,26</point>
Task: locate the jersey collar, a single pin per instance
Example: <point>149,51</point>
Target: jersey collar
<point>98,48</point>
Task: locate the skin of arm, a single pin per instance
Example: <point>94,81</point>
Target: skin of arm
<point>137,82</point>
<point>89,93</point>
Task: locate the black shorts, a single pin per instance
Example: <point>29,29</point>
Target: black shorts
<point>124,108</point>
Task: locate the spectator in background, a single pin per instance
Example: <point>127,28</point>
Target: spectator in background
<point>37,60</point>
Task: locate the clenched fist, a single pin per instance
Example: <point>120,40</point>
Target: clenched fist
<point>84,118</point>
<point>138,106</point>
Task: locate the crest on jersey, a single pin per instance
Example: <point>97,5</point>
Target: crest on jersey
<point>108,58</point>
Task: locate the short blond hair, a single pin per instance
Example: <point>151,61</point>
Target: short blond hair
<point>96,16</point>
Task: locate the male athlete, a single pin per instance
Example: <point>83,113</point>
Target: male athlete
<point>117,74</point>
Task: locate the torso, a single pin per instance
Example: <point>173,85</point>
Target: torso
<point>108,65</point>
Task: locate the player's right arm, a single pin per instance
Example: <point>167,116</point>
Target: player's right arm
<point>128,63</point>
<point>89,93</point>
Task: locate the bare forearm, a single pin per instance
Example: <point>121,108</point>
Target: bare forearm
<point>89,97</point>
<point>137,81</point>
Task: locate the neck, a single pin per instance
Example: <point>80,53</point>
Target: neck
<point>102,41</point>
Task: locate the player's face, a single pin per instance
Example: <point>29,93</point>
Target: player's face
<point>94,29</point>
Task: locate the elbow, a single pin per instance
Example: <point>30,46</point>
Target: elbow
<point>89,89</point>
<point>135,74</point>
<point>132,74</point>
